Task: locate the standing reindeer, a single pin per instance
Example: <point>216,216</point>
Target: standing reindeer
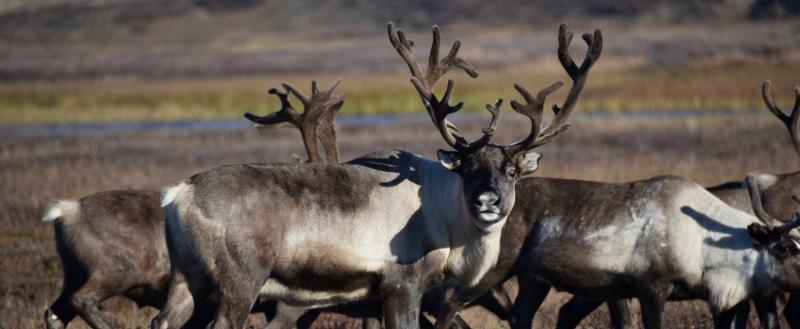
<point>387,224</point>
<point>663,238</point>
<point>658,239</point>
<point>777,191</point>
<point>112,243</point>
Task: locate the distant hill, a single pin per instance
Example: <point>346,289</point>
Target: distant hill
<point>44,39</point>
<point>38,20</point>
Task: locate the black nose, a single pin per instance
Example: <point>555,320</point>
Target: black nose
<point>487,199</point>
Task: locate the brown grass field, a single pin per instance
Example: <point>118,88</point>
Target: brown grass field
<point>35,168</point>
<point>188,68</point>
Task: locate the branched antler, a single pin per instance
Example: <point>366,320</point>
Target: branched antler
<point>533,109</point>
<point>439,109</point>
<point>436,69</point>
<point>316,122</point>
<point>578,74</point>
<point>778,228</point>
<point>791,121</point>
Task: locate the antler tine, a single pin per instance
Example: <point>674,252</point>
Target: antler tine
<point>791,121</point>
<point>533,109</point>
<point>494,110</point>
<point>297,93</point>
<point>755,201</point>
<point>438,110</point>
<point>327,133</point>
<point>314,88</point>
<point>285,115</point>
<point>436,69</point>
<point>488,132</point>
<point>328,92</point>
<point>403,47</point>
<point>766,93</point>
<point>577,74</point>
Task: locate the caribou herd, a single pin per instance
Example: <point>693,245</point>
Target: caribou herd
<point>400,240</point>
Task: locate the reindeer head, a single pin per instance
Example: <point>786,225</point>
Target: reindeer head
<point>490,171</point>
<point>777,237</point>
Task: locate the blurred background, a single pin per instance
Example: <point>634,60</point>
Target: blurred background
<point>110,94</point>
<point>116,60</point>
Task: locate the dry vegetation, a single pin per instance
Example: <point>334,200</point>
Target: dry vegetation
<point>154,60</point>
<point>161,76</point>
<point>37,168</point>
<point>691,87</point>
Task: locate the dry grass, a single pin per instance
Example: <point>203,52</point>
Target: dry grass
<point>614,88</point>
<point>35,169</point>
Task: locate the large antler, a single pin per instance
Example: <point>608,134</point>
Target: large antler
<point>533,109</point>
<point>436,69</point>
<point>578,74</point>
<point>316,121</point>
<point>791,121</point>
<point>439,109</point>
<point>772,223</point>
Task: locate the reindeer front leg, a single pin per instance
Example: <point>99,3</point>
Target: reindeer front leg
<point>401,301</point>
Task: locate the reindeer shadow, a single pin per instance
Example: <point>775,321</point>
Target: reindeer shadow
<point>736,238</point>
<point>401,162</point>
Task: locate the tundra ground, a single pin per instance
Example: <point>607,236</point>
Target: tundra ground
<point>37,168</point>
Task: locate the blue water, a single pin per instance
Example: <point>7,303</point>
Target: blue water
<point>234,124</point>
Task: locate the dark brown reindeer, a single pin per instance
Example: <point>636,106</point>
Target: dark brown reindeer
<point>112,243</point>
<point>777,191</point>
<point>658,239</point>
<point>387,224</point>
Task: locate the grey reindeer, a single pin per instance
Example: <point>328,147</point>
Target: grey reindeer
<point>388,224</point>
<point>777,191</point>
<point>112,243</point>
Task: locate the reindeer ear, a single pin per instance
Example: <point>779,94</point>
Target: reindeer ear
<point>528,162</point>
<point>449,159</point>
<point>760,234</point>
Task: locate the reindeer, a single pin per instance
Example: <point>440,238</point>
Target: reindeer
<point>388,224</point>
<point>109,243</point>
<point>112,243</point>
<point>777,190</point>
<point>579,211</point>
<point>657,239</point>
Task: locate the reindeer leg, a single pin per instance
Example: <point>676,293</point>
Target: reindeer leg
<point>742,316</point>
<point>401,305</point>
<point>61,312</point>
<point>239,283</point>
<point>87,299</point>
<point>496,301</point>
<point>724,319</point>
<point>791,311</point>
<point>571,313</point>
<point>620,313</point>
<point>306,319</point>
<point>184,304</point>
<point>652,300</point>
<point>530,297</point>
<point>767,313</point>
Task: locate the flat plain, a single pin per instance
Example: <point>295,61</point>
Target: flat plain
<point>36,168</point>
